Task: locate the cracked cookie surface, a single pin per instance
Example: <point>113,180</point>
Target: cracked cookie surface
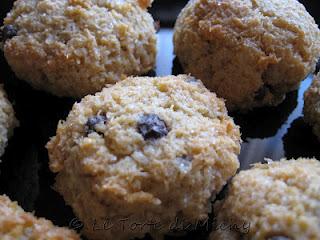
<point>277,200</point>
<point>250,52</point>
<point>76,47</point>
<point>163,149</point>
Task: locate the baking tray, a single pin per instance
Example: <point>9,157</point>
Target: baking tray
<point>273,132</point>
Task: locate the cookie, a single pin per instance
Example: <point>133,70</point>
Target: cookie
<point>76,47</point>
<point>7,120</point>
<point>276,200</point>
<point>249,52</point>
<point>312,105</point>
<point>143,153</point>
<point>15,224</point>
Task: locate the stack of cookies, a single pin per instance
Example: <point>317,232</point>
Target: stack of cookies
<point>136,154</point>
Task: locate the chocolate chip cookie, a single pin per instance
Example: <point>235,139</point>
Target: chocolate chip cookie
<point>146,150</point>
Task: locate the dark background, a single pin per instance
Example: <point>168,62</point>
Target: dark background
<point>267,132</point>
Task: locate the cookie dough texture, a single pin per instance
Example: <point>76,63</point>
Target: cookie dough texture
<point>279,199</point>
<point>15,224</point>
<point>249,52</point>
<point>312,105</point>
<point>160,148</point>
<point>7,120</point>
<point>75,47</point>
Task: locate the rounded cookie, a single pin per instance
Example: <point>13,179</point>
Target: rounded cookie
<point>76,47</point>
<point>312,105</point>
<point>147,150</point>
<point>7,120</point>
<point>249,52</point>
<point>15,224</point>
<point>278,200</point>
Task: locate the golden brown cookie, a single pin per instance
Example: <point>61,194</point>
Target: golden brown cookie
<point>76,47</point>
<point>278,200</point>
<point>249,52</point>
<point>17,224</point>
<point>149,150</point>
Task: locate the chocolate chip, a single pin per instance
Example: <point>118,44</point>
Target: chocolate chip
<point>8,32</point>
<point>186,158</point>
<point>93,122</point>
<point>151,127</point>
<point>278,238</point>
